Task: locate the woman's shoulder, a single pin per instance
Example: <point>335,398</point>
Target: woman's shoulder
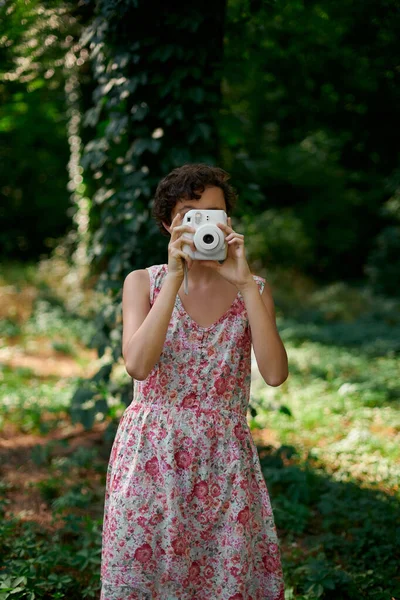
<point>147,276</point>
<point>151,270</point>
<point>145,281</point>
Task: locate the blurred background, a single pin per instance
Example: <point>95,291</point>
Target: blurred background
<point>298,100</point>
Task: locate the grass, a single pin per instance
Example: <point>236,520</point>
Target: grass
<point>334,472</point>
<point>328,440</point>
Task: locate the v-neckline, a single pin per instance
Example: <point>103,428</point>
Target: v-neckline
<point>183,310</point>
<point>221,318</point>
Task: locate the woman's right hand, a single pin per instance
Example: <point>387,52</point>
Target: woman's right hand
<point>176,256</point>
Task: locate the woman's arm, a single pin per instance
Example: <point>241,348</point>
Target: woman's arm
<point>269,350</point>
<point>145,327</point>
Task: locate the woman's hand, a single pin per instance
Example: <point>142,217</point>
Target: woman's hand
<point>235,268</point>
<point>176,256</point>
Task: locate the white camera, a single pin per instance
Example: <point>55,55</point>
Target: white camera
<point>208,238</point>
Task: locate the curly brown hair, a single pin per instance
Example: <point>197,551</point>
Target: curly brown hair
<point>188,183</point>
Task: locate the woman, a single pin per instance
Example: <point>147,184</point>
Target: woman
<point>187,513</point>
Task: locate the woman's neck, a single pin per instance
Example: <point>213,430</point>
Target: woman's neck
<point>202,277</point>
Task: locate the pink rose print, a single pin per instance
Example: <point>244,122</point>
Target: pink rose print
<point>172,395</point>
<point>194,570</point>
<point>208,571</point>
<point>202,518</point>
<point>210,433</point>
<point>151,466</point>
<point>231,382</point>
<point>239,432</point>
<point>163,379</point>
<point>161,434</point>
<point>157,518</point>
<point>220,385</point>
<point>143,553</point>
<point>200,489</point>
<point>244,515</point>
<point>187,442</point>
<point>190,401</point>
<point>179,546</point>
<point>215,490</point>
<point>271,563</point>
<point>186,431</point>
<point>211,352</point>
<point>183,459</point>
<point>273,548</point>
<point>241,343</point>
<point>237,310</point>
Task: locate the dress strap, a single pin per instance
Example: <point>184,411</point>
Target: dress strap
<point>260,282</point>
<point>151,272</point>
<point>156,273</point>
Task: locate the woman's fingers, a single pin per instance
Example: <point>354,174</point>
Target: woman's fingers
<point>185,256</point>
<point>236,238</point>
<point>182,240</point>
<point>234,234</point>
<point>178,230</point>
<point>175,254</point>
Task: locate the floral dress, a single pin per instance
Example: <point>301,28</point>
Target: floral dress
<point>187,514</point>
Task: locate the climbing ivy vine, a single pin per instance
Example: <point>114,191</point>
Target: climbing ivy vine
<point>152,105</point>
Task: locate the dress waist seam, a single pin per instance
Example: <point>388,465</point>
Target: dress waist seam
<point>198,410</point>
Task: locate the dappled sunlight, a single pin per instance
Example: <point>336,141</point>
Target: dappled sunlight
<point>48,363</point>
<point>338,410</point>
<point>338,406</point>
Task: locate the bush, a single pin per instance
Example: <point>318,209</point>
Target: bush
<point>383,267</point>
<point>276,237</point>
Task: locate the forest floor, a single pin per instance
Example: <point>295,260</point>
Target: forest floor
<point>328,441</point>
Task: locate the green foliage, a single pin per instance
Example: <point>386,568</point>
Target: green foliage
<point>348,534</point>
<point>65,563</point>
<point>154,106</point>
<point>14,587</point>
<point>34,152</point>
<point>52,326</point>
<point>303,124</point>
<point>37,567</point>
<point>99,397</point>
<point>9,328</point>
<point>383,267</point>
<point>26,398</point>
<point>50,316</point>
<point>350,318</point>
<point>332,474</point>
<point>276,237</point>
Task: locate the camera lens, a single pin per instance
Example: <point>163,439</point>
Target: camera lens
<point>208,238</point>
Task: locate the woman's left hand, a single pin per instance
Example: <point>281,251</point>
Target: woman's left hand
<point>235,268</point>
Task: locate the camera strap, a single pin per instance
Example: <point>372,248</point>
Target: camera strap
<point>185,270</point>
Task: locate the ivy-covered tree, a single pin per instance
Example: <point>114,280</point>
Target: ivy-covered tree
<point>156,71</point>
